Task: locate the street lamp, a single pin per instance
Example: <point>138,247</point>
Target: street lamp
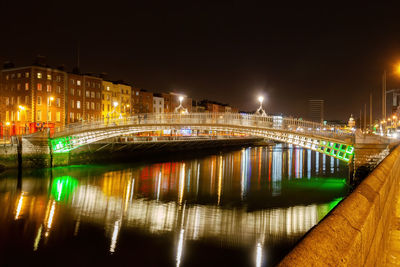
<point>260,110</point>
<point>115,105</point>
<point>48,107</point>
<point>180,108</point>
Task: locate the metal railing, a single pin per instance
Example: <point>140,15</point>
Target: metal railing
<point>208,119</point>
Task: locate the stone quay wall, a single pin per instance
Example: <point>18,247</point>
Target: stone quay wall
<point>352,234</point>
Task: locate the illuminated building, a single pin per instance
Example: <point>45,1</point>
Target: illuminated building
<point>33,94</point>
<point>142,101</point>
<point>158,103</point>
<point>171,102</point>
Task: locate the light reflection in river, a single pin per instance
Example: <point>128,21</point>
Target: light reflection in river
<point>253,198</point>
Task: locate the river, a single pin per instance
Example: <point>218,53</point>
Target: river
<point>245,207</point>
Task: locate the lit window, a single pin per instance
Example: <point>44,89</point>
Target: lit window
<point>39,75</point>
<point>18,75</point>
<point>72,81</point>
<point>48,88</point>
<point>108,88</point>
<point>87,93</point>
<point>58,102</point>
<point>78,104</point>
<point>137,93</point>
<point>18,118</point>
<point>78,82</point>
<point>71,116</point>
<point>49,77</point>
<point>7,101</point>
<point>92,94</point>
<point>39,87</point>
<point>97,106</point>
<point>26,86</point>
<point>72,103</point>
<point>87,105</point>
<point>78,116</point>
<point>72,91</point>
<point>58,116</point>
<point>39,100</point>
<point>26,74</point>
<point>58,78</point>
<point>49,115</point>
<point>7,115</point>
<point>58,89</point>
<point>92,105</point>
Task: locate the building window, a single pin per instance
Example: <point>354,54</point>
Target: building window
<point>92,105</point>
<point>97,106</point>
<point>79,92</point>
<point>39,115</point>
<point>58,116</point>
<point>27,99</point>
<point>71,117</point>
<point>18,75</point>
<point>18,86</point>
<point>49,115</point>
<point>72,103</point>
<point>7,116</point>
<point>26,86</point>
<point>49,77</point>
<point>12,100</point>
<point>87,105</point>
<point>102,107</point>
<point>39,75</point>
<point>72,81</point>
<point>39,87</point>
<point>39,100</point>
<point>92,94</point>
<point>58,102</point>
<point>78,82</point>
<point>72,91</point>
<point>108,97</point>
<point>18,100</point>
<point>137,93</point>
<point>78,116</point>
<point>78,104</point>
<point>18,117</point>
<point>87,93</point>
<point>48,88</point>
<point>26,74</point>
<point>12,75</point>
<point>98,95</point>
<point>108,88</point>
<point>58,89</point>
<point>7,77</point>
<point>58,78</point>
<point>7,101</point>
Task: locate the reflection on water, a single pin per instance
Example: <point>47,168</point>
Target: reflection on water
<point>251,205</point>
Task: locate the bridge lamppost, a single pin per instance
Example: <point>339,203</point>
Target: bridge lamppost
<point>260,110</point>
<point>180,108</point>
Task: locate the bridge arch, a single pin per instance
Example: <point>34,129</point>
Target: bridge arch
<point>310,135</point>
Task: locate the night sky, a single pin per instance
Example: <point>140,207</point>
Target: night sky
<point>228,51</point>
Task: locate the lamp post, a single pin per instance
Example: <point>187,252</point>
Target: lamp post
<point>115,105</point>
<point>48,107</point>
<point>21,109</point>
<point>260,110</point>
<point>180,108</point>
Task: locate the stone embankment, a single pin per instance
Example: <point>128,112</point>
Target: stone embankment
<point>353,233</point>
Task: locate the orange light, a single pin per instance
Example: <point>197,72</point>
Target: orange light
<point>397,69</point>
<point>7,123</point>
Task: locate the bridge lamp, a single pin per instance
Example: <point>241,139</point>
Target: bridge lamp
<point>115,104</point>
<point>260,99</point>
<point>180,100</point>
<point>8,123</point>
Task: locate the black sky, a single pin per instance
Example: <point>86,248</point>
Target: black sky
<point>228,51</point>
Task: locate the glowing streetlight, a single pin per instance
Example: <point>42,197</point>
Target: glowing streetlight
<point>260,110</point>
<point>21,107</point>
<point>180,108</point>
<point>115,104</point>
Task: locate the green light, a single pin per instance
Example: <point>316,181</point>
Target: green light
<point>63,187</point>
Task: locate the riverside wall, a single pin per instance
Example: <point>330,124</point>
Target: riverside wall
<point>353,233</point>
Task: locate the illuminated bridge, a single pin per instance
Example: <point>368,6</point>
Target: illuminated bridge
<point>315,136</point>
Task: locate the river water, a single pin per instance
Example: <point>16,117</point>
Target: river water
<point>246,207</point>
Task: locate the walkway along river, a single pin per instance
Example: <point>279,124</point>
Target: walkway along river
<point>242,208</point>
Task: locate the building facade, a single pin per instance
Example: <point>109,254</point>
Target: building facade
<point>33,94</point>
<point>142,101</point>
<point>158,103</point>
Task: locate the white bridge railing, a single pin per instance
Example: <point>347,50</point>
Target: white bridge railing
<point>214,119</point>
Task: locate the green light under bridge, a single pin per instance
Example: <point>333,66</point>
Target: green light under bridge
<point>63,144</point>
<point>340,151</point>
<point>63,187</point>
